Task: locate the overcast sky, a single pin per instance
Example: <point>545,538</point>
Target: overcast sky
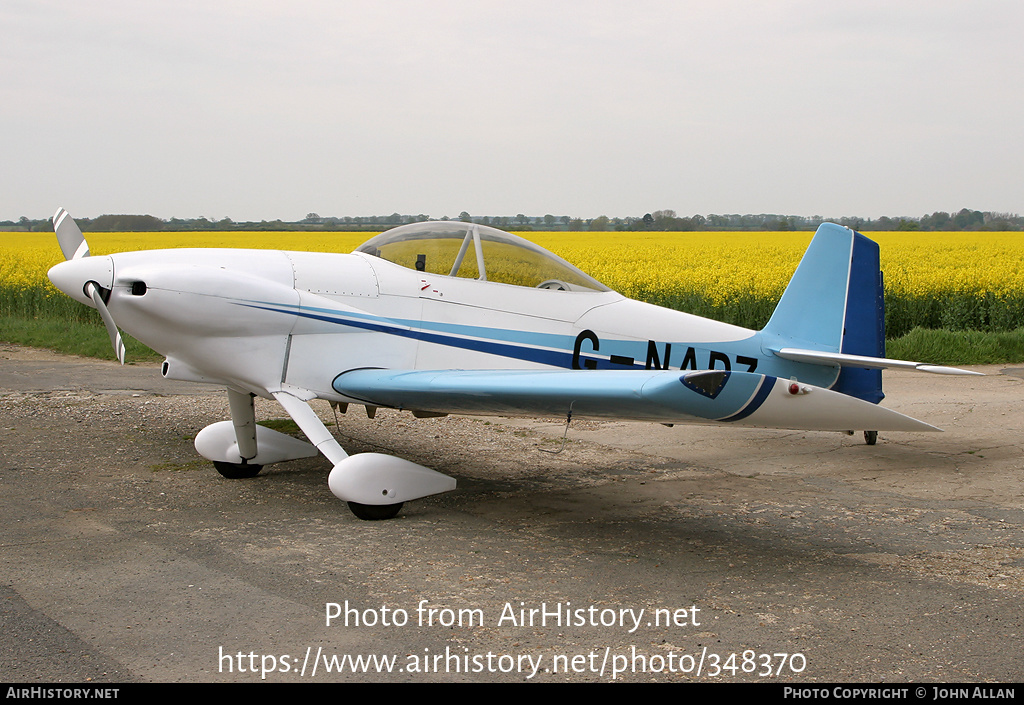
<point>254,109</point>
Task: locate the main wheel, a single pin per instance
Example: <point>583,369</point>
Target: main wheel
<point>237,471</point>
<point>870,437</point>
<point>374,512</point>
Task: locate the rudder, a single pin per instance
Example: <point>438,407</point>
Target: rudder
<point>864,329</point>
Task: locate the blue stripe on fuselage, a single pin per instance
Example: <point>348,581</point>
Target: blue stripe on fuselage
<point>554,358</point>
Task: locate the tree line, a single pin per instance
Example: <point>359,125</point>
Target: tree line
<point>663,220</point>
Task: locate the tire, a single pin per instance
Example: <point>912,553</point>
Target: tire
<point>374,512</point>
<point>237,471</point>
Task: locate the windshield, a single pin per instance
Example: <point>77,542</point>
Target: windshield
<point>474,251</point>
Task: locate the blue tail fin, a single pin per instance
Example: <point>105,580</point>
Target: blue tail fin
<point>834,303</point>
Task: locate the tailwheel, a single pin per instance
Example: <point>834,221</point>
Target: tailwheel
<point>374,512</point>
<point>870,437</point>
<point>237,471</point>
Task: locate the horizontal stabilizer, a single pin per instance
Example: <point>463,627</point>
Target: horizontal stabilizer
<point>819,357</point>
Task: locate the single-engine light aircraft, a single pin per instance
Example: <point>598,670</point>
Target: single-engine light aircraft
<point>450,317</point>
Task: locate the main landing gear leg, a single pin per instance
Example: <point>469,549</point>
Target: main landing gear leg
<point>360,480</point>
<point>243,419</point>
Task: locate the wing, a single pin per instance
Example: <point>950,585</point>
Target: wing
<point>665,396</point>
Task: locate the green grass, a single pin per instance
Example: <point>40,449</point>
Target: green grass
<point>963,347</point>
<point>283,426</point>
<point>71,338</point>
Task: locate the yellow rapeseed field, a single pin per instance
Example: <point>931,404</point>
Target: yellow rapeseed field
<point>937,280</point>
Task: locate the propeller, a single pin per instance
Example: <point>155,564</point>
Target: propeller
<point>73,245</point>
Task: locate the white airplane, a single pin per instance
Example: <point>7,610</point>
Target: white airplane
<point>451,317</point>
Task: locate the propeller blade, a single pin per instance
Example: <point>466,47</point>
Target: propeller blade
<point>108,321</point>
<point>74,247</point>
<point>72,242</point>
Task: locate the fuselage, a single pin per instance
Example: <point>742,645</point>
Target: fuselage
<point>255,320</point>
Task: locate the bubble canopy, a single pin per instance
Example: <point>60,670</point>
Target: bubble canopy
<point>473,251</point>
